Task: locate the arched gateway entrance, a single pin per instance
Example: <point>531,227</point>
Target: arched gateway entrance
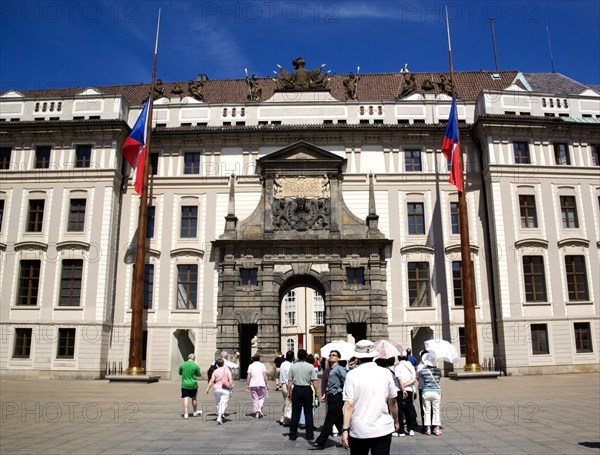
<point>300,234</point>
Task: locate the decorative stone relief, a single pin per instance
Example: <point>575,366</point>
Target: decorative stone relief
<point>301,187</point>
<point>301,214</point>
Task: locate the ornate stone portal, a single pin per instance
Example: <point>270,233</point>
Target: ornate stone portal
<point>300,234</point>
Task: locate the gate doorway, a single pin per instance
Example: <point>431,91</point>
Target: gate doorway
<point>358,330</point>
<point>247,334</point>
<point>303,317</point>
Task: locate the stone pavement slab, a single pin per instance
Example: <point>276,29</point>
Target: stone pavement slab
<point>554,414</point>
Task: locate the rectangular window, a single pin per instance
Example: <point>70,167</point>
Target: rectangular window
<point>462,341</point>
<point>1,213</point>
<point>192,163</point>
<point>22,343</point>
<point>189,221</point>
<point>568,210</point>
<point>561,154</point>
<point>418,284</point>
<point>70,282</point>
<point>583,337</point>
<point>318,309</point>
<point>319,317</point>
<point>289,308</point>
<point>148,285</point>
<point>83,155</point>
<point>249,277</point>
<point>5,155</point>
<point>355,276</point>
<point>153,163</point>
<point>66,344</point>
<point>595,149</point>
<point>412,160</point>
<point>29,282</point>
<point>457,282</point>
<point>534,276</point>
<point>521,152</point>
<point>454,224</point>
<point>42,157</point>
<point>576,278</point>
<point>539,339</point>
<point>76,215</point>
<point>528,211</point>
<point>150,217</point>
<point>416,218</point>
<point>187,286</point>
<point>35,216</point>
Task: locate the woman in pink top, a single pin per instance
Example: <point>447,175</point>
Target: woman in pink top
<point>257,384</point>
<point>223,386</point>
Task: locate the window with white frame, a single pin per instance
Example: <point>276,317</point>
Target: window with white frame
<point>318,309</point>
<point>289,308</point>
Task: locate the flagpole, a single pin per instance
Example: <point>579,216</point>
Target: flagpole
<point>137,301</point>
<point>468,285</point>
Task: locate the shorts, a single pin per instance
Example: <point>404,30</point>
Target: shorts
<point>189,393</point>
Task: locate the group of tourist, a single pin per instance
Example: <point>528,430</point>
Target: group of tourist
<point>365,403</point>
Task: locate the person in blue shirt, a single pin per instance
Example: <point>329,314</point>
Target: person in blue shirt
<point>335,403</point>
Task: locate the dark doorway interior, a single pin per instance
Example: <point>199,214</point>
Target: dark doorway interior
<point>247,332</point>
<point>358,330</point>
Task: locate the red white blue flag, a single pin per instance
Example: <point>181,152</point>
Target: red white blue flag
<point>134,148</point>
<point>451,148</point>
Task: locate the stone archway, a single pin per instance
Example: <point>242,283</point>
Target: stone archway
<point>301,231</point>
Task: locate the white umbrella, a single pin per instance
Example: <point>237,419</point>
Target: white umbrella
<point>345,348</point>
<point>442,349</point>
<point>387,349</point>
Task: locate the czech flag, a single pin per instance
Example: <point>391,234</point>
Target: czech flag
<point>134,148</point>
<point>451,148</point>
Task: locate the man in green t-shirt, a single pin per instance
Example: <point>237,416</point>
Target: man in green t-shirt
<point>190,373</point>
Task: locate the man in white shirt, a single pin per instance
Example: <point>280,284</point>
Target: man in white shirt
<point>228,363</point>
<point>407,379</point>
<point>369,392</point>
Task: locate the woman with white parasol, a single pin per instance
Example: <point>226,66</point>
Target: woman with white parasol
<point>432,393</point>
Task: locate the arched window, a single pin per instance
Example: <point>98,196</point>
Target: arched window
<point>291,345</point>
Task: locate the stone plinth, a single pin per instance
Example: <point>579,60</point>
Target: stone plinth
<point>146,378</point>
<point>458,375</point>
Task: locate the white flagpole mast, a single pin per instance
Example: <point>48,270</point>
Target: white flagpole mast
<point>137,302</point>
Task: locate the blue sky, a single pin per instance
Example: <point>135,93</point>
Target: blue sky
<point>51,43</point>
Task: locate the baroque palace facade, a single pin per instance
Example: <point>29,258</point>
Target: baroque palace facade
<point>293,211</point>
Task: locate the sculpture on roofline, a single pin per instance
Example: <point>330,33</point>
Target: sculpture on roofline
<point>195,89</point>
<point>351,85</point>
<point>409,85</point>
<point>158,89</point>
<point>445,85</point>
<point>301,78</point>
<point>254,89</point>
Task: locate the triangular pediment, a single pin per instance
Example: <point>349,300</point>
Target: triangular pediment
<point>12,94</point>
<point>302,150</point>
<point>302,156</point>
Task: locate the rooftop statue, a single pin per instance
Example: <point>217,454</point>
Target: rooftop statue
<point>301,78</point>
<point>158,89</point>
<point>351,84</point>
<point>445,85</point>
<point>409,86</point>
<point>195,88</point>
<point>254,89</point>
